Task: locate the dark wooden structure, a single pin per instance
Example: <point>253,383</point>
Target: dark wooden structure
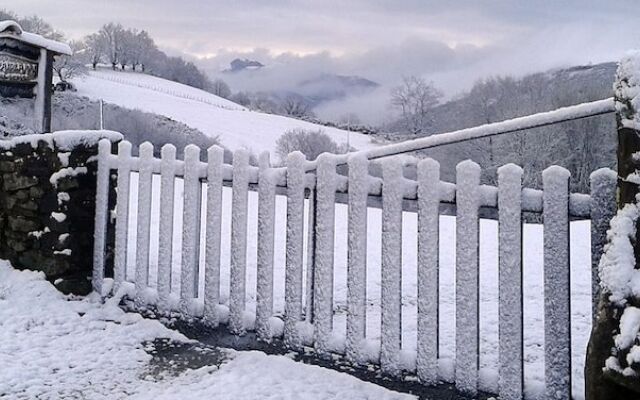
<point>26,69</point>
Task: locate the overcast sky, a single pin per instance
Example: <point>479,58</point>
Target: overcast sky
<point>450,42</point>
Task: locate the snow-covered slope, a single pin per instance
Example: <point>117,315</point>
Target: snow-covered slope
<point>235,126</point>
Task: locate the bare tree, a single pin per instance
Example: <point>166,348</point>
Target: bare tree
<point>37,25</point>
<point>7,15</point>
<point>241,98</point>
<point>127,47</point>
<point>220,88</point>
<point>415,98</point>
<point>95,48</point>
<point>112,34</point>
<point>296,106</point>
<point>142,48</point>
<point>68,67</point>
<point>263,102</point>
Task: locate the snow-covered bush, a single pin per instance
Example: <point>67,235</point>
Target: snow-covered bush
<point>311,143</point>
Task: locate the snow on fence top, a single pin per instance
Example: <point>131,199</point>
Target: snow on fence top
<point>13,30</point>
<point>64,140</point>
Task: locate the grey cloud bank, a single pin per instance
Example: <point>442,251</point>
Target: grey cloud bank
<point>450,42</point>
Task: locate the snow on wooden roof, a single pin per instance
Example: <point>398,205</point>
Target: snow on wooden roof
<point>12,29</point>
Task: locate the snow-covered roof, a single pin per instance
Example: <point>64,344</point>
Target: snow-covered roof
<point>13,30</point>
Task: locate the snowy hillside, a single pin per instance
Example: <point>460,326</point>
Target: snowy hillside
<point>235,126</point>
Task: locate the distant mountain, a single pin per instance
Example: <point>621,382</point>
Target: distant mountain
<point>238,65</point>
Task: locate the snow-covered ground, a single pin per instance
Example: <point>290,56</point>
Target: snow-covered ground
<point>233,124</point>
<point>56,347</point>
<point>533,283</point>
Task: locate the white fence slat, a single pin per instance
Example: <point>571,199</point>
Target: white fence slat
<point>428,275</point>
<point>143,236</point>
<point>122,213</point>
<point>294,254</point>
<point>603,208</point>
<point>265,251</point>
<point>323,273</point>
<point>190,228</point>
<point>510,282</point>
<point>357,256</point>
<point>215,156</point>
<point>102,215</point>
<point>238,273</point>
<point>467,276</point>
<point>391,265</point>
<point>165,237</point>
<point>557,318</point>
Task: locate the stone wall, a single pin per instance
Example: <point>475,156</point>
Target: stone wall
<point>47,203</point>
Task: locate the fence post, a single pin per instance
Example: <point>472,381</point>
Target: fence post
<point>511,369</point>
<point>165,237</point>
<point>610,385</point>
<point>294,254</point>
<point>213,228</point>
<point>122,213</point>
<point>467,276</point>
<point>428,265</point>
<point>102,215</point>
<point>190,229</point>
<point>357,256</point>
<point>323,273</point>
<point>557,316</point>
<point>238,270</point>
<point>143,236</point>
<point>266,226</point>
<point>391,266</point>
<point>603,208</point>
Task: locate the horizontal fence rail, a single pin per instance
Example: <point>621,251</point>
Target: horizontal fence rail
<point>308,317</point>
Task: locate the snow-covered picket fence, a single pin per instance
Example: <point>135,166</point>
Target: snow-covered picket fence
<point>191,207</point>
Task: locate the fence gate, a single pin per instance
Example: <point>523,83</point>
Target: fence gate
<point>353,264</point>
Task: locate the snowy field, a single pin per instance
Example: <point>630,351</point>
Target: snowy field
<point>533,283</point>
<point>54,347</point>
<point>235,125</point>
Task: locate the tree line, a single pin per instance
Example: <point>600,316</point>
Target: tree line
<point>581,146</point>
<point>120,48</point>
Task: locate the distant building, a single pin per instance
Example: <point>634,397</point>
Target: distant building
<point>26,69</point>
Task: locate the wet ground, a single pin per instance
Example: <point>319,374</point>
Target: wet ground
<point>171,359</point>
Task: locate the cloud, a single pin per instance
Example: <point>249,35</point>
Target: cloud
<point>384,65</point>
<point>451,43</point>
